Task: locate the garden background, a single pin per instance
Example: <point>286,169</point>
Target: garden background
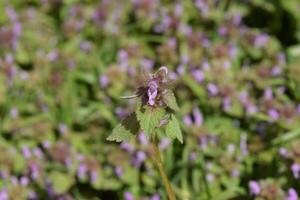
<point>235,70</point>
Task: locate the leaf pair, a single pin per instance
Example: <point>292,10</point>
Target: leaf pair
<point>148,119</point>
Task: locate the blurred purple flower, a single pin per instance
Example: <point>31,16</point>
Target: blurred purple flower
<point>14,112</point>
<point>119,171</point>
<point>143,139</point>
<point>268,93</point>
<point>103,81</point>
<point>292,194</point>
<point>139,158</point>
<point>295,169</point>
<point>62,128</point>
<point>198,117</point>
<point>274,114</point>
<point>193,156</point>
<point>164,143</point>
<point>210,177</point>
<point>81,171</point>
<point>205,65</point>
<point>93,176</point>
<point>24,181</point>
<point>254,187</point>
<point>128,196</point>
<point>155,197</point>
<point>226,104</point>
<point>212,89</point>
<point>14,180</point>
<point>4,194</point>
<point>26,152</point>
<point>261,40</point>
<point>283,151</point>
<point>276,71</point>
<point>37,152</point>
<point>187,120</point>
<point>147,64</point>
<point>235,173</point>
<point>198,75</point>
<point>127,147</point>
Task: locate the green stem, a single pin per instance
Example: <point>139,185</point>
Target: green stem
<point>159,163</point>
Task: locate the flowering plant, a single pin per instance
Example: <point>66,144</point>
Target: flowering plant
<point>155,110</point>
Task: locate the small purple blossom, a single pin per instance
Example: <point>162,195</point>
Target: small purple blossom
<point>274,114</point>
<point>261,40</point>
<point>119,171</point>
<point>212,89</point>
<point>164,143</point>
<point>187,120</point>
<point>152,92</point>
<point>295,169</point>
<point>155,197</point>
<point>198,117</point>
<point>198,75</point>
<point>292,194</point>
<point>254,187</point>
<point>81,171</point>
<point>143,139</point>
<point>103,81</point>
<point>128,196</point>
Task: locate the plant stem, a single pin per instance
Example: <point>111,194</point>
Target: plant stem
<point>159,163</point>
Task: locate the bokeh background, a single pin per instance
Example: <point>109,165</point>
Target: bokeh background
<point>235,70</point>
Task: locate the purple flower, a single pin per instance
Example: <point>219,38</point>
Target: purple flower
<point>119,171</point>
<point>292,194</point>
<point>197,116</point>
<point>250,109</point>
<point>26,152</point>
<point>93,176</point>
<point>152,92</point>
<point>24,180</point>
<point>147,64</point>
<point>143,139</point>
<point>295,169</point>
<point>164,143</point>
<point>187,120</point>
<point>127,147</point>
<point>81,171</point>
<point>62,128</point>
<point>14,112</point>
<point>193,156</point>
<point>103,81</point>
<point>155,197</point>
<point>210,177</point>
<point>274,114</point>
<point>198,75</point>
<point>254,187</point>
<point>276,71</point>
<point>268,94</point>
<point>261,40</point>
<point>235,173</point>
<point>212,89</point>
<point>283,151</point>
<point>37,152</point>
<point>139,158</point>
<point>128,196</point>
<point>3,195</point>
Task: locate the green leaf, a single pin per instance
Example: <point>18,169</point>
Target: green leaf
<point>61,182</point>
<point>125,130</point>
<point>173,129</point>
<point>149,118</point>
<point>170,99</point>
